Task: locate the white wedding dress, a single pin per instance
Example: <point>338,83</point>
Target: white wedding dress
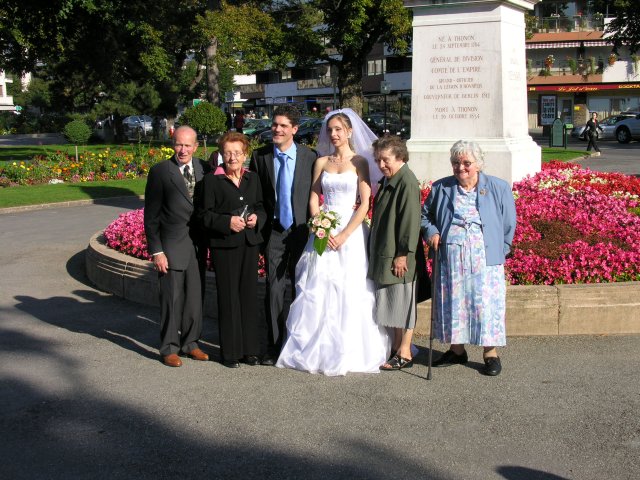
<point>330,328</point>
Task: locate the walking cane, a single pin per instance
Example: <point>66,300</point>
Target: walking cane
<point>435,270</point>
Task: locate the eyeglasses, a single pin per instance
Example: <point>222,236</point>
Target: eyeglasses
<point>464,164</point>
<point>228,155</point>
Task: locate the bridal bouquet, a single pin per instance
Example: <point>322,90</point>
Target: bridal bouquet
<point>321,225</point>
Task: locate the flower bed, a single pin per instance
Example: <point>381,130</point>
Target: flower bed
<point>126,235</point>
<point>574,226</point>
<point>106,165</point>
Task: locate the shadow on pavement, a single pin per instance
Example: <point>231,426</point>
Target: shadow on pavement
<point>74,430</point>
<point>111,196</point>
<point>129,326</point>
<point>522,473</point>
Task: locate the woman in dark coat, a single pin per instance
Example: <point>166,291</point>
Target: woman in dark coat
<point>592,133</point>
<point>392,247</point>
<point>229,209</point>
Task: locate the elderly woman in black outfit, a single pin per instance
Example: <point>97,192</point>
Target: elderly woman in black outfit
<point>229,209</point>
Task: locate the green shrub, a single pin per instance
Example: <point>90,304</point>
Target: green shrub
<point>206,119</point>
<point>77,132</point>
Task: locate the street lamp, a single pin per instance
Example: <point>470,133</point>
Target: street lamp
<point>385,89</point>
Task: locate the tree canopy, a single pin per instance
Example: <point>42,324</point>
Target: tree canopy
<point>625,27</point>
<point>135,56</point>
<point>343,33</point>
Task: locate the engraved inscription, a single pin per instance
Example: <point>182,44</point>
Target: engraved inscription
<point>456,76</point>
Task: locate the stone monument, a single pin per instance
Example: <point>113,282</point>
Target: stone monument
<point>469,82</point>
<point>6,101</point>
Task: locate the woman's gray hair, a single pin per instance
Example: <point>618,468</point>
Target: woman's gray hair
<point>468,147</point>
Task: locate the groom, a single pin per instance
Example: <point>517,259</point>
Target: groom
<point>285,170</point>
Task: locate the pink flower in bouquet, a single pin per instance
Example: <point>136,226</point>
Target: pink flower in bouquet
<point>321,225</point>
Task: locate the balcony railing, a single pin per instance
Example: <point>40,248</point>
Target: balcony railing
<point>567,66</point>
<point>577,23</point>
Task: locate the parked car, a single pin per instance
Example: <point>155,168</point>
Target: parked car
<point>629,128</point>
<point>266,136</point>
<point>393,125</point>
<point>608,126</point>
<point>308,131</point>
<point>255,125</point>
<point>137,125</point>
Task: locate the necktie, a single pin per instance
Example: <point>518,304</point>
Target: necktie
<point>285,177</point>
<point>187,173</point>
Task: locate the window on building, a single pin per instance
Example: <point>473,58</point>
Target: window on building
<point>286,74</point>
<point>376,67</point>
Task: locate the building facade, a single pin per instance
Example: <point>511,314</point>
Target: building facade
<point>571,71</point>
<point>571,68</point>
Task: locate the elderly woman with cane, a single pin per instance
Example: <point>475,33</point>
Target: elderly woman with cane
<point>470,218</point>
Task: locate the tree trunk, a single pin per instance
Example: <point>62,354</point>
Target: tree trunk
<point>213,91</point>
<point>350,84</point>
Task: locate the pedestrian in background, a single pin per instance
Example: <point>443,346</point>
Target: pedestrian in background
<point>592,133</point>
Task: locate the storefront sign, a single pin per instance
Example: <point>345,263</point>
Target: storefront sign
<point>583,88</point>
<point>548,109</point>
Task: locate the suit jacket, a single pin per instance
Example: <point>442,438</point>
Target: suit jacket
<point>395,227</point>
<point>218,199</point>
<point>496,207</point>
<point>168,211</point>
<point>262,164</point>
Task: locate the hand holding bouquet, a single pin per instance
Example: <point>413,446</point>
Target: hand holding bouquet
<point>321,225</point>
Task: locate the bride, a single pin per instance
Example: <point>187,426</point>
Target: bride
<point>330,327</point>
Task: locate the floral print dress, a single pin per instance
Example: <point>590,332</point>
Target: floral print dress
<point>470,296</point>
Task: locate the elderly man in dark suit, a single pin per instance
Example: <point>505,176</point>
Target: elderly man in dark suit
<point>172,241</point>
<point>285,170</point>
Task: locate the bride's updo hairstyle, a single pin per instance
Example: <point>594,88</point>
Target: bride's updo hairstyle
<point>346,123</point>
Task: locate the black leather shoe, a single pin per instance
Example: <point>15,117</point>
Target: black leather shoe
<point>492,366</point>
<point>449,358</point>
<point>268,360</point>
<point>231,363</point>
<point>251,360</point>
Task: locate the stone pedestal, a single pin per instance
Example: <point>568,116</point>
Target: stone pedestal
<point>469,82</point>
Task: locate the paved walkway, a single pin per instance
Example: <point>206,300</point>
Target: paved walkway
<point>84,396</point>
<point>616,157</point>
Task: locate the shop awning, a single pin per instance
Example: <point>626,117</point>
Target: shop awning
<point>586,43</point>
<point>534,46</point>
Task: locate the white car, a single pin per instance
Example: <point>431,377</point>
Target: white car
<point>137,125</point>
<point>629,128</point>
<point>608,126</point>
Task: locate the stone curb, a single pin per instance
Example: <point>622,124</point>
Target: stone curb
<point>590,309</point>
<point>70,203</point>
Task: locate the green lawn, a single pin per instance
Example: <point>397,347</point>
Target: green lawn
<point>37,194</point>
<point>64,192</point>
<point>561,154</point>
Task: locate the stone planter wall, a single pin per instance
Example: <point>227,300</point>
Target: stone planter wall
<point>610,308</point>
